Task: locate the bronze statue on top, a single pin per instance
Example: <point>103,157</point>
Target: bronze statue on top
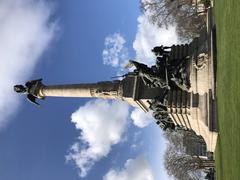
<point>30,89</point>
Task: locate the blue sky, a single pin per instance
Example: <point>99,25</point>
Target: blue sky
<point>75,42</point>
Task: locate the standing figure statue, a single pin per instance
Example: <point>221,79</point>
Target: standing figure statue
<point>174,70</point>
<point>160,113</point>
<point>149,75</point>
<point>179,74</point>
<point>30,89</point>
<point>161,50</point>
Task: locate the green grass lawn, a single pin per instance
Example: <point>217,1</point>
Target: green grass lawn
<point>227,14</point>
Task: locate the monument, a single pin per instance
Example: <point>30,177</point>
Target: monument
<point>179,89</point>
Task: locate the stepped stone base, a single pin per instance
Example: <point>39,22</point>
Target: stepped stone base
<point>195,109</point>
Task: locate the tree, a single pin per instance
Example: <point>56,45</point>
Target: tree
<point>181,13</point>
<point>178,163</point>
<point>157,11</point>
<point>175,139</point>
<point>181,138</point>
<point>185,167</point>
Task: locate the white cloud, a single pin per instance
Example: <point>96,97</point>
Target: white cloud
<point>149,36</point>
<point>24,34</point>
<point>140,118</point>
<point>114,52</point>
<point>102,124</point>
<point>133,169</point>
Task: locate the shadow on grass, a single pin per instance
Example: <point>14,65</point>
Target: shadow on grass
<point>218,159</point>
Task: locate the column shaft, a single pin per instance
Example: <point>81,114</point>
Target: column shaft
<point>71,90</point>
<point>106,89</point>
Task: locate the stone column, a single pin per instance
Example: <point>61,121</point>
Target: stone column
<point>105,89</point>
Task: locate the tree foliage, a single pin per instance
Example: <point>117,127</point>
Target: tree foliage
<point>181,13</point>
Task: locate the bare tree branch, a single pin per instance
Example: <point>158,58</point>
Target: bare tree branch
<point>182,13</point>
